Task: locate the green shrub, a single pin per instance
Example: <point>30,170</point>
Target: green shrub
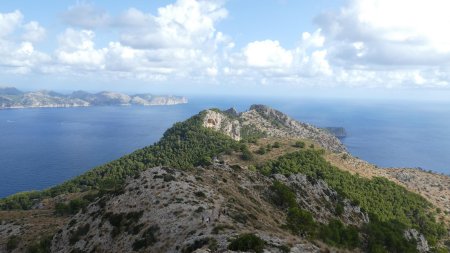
<point>336,234</point>
<point>41,246</point>
<point>81,231</point>
<point>148,238</point>
<point>301,222</point>
<point>13,242</point>
<point>283,196</point>
<point>247,242</point>
<point>276,145</point>
<point>299,144</point>
<point>200,243</point>
<point>339,209</point>
<point>261,151</point>
<point>246,154</point>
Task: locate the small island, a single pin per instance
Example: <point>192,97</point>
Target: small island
<point>13,98</point>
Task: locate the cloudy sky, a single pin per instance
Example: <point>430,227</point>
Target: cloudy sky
<point>229,46</point>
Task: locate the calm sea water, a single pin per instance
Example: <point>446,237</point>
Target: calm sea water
<point>43,147</point>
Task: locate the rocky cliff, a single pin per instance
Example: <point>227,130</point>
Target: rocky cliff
<point>261,120</point>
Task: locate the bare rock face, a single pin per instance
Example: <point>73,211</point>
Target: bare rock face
<point>271,122</point>
<point>422,243</point>
<point>322,201</point>
<point>222,123</point>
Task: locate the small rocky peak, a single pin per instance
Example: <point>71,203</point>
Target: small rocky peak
<point>232,112</point>
<point>272,114</point>
<point>260,108</point>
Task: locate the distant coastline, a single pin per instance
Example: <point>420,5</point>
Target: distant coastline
<point>12,98</point>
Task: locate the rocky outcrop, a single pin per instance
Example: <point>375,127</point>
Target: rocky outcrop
<point>13,98</point>
<point>272,123</point>
<point>322,201</point>
<point>170,210</point>
<point>339,132</point>
<point>414,235</point>
<point>222,123</point>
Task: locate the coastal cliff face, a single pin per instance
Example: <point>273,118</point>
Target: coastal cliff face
<point>268,122</point>
<point>13,98</point>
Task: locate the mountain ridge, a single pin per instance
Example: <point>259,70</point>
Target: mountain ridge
<point>11,98</point>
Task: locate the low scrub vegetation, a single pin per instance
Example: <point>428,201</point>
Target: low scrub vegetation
<point>247,242</point>
<point>391,206</point>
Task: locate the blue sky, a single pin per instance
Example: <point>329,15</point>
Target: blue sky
<point>349,48</point>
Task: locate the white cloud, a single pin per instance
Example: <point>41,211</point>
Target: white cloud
<point>19,56</point>
<point>33,32</point>
<point>267,54</point>
<point>383,32</point>
<point>370,43</point>
<point>76,48</point>
<point>184,24</point>
<point>9,22</point>
<point>86,16</point>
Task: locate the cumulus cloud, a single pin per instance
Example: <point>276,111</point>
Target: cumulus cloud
<point>86,16</point>
<point>269,62</point>
<point>369,43</point>
<point>77,48</point>
<point>33,32</point>
<point>9,22</point>
<point>267,54</point>
<point>387,32</point>
<point>184,24</point>
<point>20,56</point>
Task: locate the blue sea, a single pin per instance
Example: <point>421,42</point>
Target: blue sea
<point>43,147</point>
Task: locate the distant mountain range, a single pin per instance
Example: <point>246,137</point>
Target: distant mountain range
<point>13,98</point>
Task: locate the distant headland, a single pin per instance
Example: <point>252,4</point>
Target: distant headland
<point>13,98</point>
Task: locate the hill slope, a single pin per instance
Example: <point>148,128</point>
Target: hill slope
<point>226,180</point>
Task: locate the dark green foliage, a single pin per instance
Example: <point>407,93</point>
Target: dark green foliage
<point>261,151</point>
<point>123,222</point>
<point>217,229</point>
<point>250,133</point>
<point>71,208</point>
<point>300,222</point>
<point>13,242</point>
<point>168,178</point>
<point>276,145</point>
<point>387,237</point>
<point>148,238</point>
<point>247,242</point>
<point>283,196</point>
<point>380,197</point>
<point>246,154</point>
<point>183,146</point>
<point>339,209</point>
<point>336,234</point>
<point>81,231</point>
<point>299,144</point>
<point>200,194</point>
<point>41,246</point>
<point>200,243</point>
